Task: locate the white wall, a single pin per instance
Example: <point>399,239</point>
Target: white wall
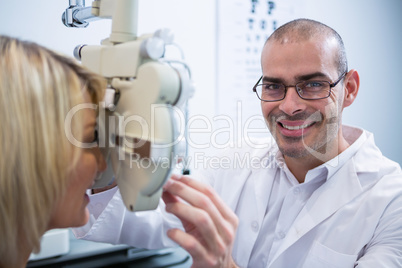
<point>371,31</point>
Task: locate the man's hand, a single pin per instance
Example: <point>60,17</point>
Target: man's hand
<point>209,224</point>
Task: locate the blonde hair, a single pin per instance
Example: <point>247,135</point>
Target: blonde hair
<point>38,87</point>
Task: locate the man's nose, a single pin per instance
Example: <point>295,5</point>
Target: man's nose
<point>292,103</point>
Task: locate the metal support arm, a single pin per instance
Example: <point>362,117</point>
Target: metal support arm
<point>77,15</point>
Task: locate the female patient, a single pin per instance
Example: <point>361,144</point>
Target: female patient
<point>48,161</point>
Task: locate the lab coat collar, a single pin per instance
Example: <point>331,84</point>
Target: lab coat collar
<point>362,144</point>
<point>357,137</point>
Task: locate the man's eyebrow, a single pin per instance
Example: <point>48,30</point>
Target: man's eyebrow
<point>266,79</point>
<point>304,77</point>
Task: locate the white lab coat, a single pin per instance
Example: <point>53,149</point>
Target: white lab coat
<point>354,219</point>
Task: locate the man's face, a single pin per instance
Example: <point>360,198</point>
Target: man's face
<point>300,127</point>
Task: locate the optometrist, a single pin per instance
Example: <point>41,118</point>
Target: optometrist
<point>323,195</point>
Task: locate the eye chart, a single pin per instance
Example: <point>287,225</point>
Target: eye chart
<point>242,28</point>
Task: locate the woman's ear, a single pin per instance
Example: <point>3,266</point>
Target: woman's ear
<point>351,85</point>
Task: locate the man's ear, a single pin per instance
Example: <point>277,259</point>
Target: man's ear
<point>351,85</point>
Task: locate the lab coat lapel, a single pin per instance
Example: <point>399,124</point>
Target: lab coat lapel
<point>262,187</point>
<point>325,201</point>
<point>261,184</point>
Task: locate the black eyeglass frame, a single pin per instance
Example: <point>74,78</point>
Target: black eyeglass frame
<point>331,85</point>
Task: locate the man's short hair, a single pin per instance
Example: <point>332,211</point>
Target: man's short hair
<point>305,29</point>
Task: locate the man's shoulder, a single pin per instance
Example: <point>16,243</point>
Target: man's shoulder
<point>369,158</point>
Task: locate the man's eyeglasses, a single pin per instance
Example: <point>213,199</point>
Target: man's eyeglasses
<point>307,90</point>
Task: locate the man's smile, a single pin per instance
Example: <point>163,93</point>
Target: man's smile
<point>296,127</point>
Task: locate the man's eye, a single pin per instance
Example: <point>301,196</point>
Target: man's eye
<point>314,84</point>
<point>272,87</point>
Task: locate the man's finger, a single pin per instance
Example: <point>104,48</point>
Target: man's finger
<point>198,199</point>
<point>224,209</point>
<point>198,223</point>
<point>189,243</point>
